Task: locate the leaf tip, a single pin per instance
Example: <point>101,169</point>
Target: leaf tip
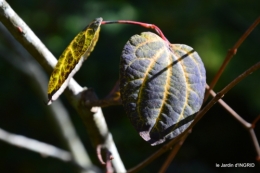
<point>49,102</point>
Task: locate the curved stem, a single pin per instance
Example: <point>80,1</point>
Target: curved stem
<point>145,25</point>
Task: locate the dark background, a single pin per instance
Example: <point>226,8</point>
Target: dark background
<point>210,27</point>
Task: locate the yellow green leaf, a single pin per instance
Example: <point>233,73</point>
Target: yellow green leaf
<point>72,58</point>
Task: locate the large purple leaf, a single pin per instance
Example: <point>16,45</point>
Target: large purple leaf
<point>162,86</point>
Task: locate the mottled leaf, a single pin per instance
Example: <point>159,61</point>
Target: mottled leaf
<point>162,86</point>
<point>72,58</point>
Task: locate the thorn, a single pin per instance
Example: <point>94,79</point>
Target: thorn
<point>99,147</point>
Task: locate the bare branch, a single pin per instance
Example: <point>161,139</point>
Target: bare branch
<point>36,146</point>
<point>34,46</point>
<point>230,55</point>
<point>255,142</point>
<point>230,110</point>
<point>249,127</point>
<point>173,153</point>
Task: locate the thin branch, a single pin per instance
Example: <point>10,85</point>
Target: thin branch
<point>255,142</point>
<point>249,127</point>
<point>231,111</point>
<point>230,54</point>
<point>36,48</point>
<point>239,79</point>
<point>173,154</point>
<point>44,149</point>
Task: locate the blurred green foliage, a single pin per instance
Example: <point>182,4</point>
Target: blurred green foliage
<point>210,27</point>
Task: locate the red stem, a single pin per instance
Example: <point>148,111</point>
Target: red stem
<point>145,25</point>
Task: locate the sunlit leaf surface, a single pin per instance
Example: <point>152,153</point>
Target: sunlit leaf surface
<point>162,86</point>
<point>72,58</point>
